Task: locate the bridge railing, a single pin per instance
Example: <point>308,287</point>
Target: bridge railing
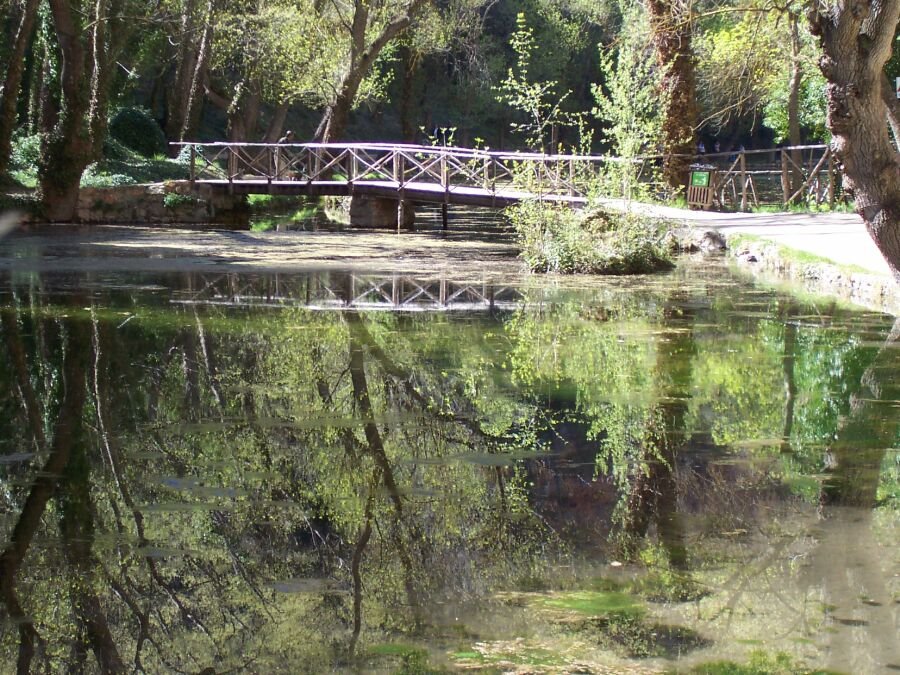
<point>744,178</point>
<point>398,165</point>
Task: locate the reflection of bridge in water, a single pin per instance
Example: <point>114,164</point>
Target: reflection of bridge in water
<point>333,291</point>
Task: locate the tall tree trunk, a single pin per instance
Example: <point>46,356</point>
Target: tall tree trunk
<point>671,25</point>
<point>794,85</point>
<point>68,424</point>
<point>362,57</point>
<point>66,152</point>
<point>10,94</point>
<point>194,103</point>
<point>409,63</point>
<point>87,59</point>
<point>856,39</point>
<point>655,492</point>
<point>109,34</point>
<point>276,124</point>
<point>185,62</point>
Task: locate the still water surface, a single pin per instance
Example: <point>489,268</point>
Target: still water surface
<point>372,473</point>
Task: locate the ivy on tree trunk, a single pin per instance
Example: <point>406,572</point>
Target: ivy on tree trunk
<point>671,27</point>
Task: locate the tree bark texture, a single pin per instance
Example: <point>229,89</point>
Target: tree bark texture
<point>671,26</point>
<point>193,104</point>
<point>362,57</point>
<point>87,56</point>
<point>856,37</point>
<point>13,80</point>
<point>185,62</point>
<point>67,150</point>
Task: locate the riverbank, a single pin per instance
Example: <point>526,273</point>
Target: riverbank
<point>828,254</point>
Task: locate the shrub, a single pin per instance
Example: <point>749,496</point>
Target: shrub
<point>135,128</point>
<point>26,150</point>
<point>173,200</point>
<point>558,239</point>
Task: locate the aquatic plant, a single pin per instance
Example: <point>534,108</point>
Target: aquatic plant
<point>557,239</point>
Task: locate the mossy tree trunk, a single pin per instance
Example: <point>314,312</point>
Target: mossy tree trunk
<point>671,28</point>
<point>89,40</point>
<point>9,95</point>
<point>67,149</point>
<point>857,39</point>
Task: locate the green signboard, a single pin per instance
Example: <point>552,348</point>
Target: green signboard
<point>699,178</point>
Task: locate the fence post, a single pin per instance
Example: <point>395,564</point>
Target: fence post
<point>398,167</point>
<point>831,190</point>
<point>743,159</point>
<point>193,164</point>
<point>572,190</point>
<point>445,183</point>
<point>785,178</point>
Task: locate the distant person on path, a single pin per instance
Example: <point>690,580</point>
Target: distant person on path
<point>701,148</point>
<point>281,160</point>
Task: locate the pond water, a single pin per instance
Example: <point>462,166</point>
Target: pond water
<point>334,472</point>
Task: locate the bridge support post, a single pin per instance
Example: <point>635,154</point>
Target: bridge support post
<point>381,212</point>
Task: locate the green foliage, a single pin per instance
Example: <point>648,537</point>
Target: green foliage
<point>97,175</point>
<point>136,129</point>
<point>538,102</point>
<point>26,151</point>
<point>136,169</point>
<point>630,103</point>
<point>174,200</point>
<point>812,107</point>
<point>558,239</point>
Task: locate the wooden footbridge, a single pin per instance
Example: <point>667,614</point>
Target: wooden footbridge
<point>444,175</point>
<point>450,175</point>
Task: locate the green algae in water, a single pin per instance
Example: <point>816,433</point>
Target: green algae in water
<point>760,663</point>
<point>505,654</point>
<point>594,603</point>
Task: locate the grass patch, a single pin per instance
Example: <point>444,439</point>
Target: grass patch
<point>788,254</point>
<point>839,207</point>
<point>19,201</point>
<point>119,166</point>
<point>135,169</point>
<point>760,663</point>
<point>558,239</point>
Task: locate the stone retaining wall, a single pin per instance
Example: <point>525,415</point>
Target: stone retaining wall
<point>159,203</point>
<point>874,291</point>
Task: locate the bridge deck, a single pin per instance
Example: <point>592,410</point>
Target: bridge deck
<point>414,191</point>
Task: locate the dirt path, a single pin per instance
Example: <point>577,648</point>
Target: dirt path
<point>840,237</point>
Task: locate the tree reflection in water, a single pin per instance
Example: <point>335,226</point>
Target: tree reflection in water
<point>197,486</point>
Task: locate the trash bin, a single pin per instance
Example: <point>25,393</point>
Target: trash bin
<point>701,186</point>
